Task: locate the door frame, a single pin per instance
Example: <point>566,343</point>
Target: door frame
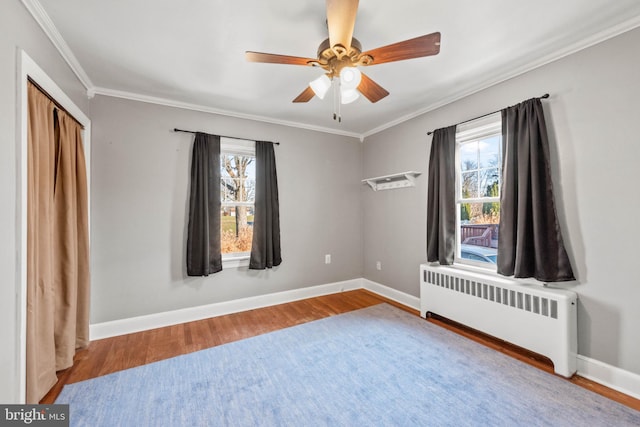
<point>27,68</point>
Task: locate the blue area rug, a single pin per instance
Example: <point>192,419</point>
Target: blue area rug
<point>378,366</point>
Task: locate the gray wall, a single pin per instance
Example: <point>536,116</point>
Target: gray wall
<point>19,30</point>
<point>139,207</point>
<point>593,119</point>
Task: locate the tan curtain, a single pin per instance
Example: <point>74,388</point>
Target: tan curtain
<point>57,244</point>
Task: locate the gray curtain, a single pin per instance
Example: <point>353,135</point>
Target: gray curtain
<point>441,203</point>
<point>203,235</point>
<point>529,238</point>
<point>265,248</point>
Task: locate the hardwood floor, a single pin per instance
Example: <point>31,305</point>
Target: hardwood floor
<point>128,351</point>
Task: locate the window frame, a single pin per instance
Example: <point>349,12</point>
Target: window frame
<point>474,130</point>
<point>242,147</point>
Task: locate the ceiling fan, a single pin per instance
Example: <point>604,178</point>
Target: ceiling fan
<point>341,54</point>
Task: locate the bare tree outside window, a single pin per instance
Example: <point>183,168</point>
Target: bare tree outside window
<point>238,198</point>
<point>480,178</point>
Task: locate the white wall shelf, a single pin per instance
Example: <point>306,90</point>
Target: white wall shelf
<point>396,180</point>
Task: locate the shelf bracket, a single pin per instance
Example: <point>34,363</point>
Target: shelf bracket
<point>396,180</point>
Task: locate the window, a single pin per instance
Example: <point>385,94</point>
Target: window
<point>237,193</point>
<point>478,181</point>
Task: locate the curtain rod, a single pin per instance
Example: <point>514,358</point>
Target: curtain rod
<point>52,99</point>
<point>545,96</point>
<point>222,136</point>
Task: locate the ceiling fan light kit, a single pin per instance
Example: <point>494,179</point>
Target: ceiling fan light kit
<point>348,96</point>
<point>321,86</point>
<point>350,78</point>
<point>341,54</point>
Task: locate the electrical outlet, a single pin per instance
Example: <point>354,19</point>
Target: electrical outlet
<point>378,265</point>
<point>327,259</point>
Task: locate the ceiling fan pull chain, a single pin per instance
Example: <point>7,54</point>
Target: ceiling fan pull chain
<point>339,101</point>
<point>336,101</point>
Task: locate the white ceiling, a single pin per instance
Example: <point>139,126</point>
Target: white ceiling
<point>191,52</point>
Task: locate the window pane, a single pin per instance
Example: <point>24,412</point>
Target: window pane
<point>478,169</point>
<point>236,228</point>
<point>469,185</point>
<point>469,156</point>
<point>489,152</point>
<point>238,178</point>
<point>490,182</point>
<point>237,191</point>
<point>479,231</point>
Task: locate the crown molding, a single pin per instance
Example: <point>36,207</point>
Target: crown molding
<point>42,18</point>
<point>205,109</point>
<point>537,63</point>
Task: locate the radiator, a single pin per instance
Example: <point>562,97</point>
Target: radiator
<point>531,316</point>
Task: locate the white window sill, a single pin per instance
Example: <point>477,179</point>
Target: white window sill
<point>492,271</point>
<point>235,262</point>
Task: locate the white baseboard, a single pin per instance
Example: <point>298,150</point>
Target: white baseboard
<point>158,320</point>
<point>609,376</point>
<point>392,294</point>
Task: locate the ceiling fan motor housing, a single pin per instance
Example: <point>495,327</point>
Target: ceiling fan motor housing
<point>335,58</point>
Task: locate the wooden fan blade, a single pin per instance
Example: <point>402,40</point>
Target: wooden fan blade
<point>414,48</point>
<point>306,95</point>
<point>272,58</point>
<point>341,18</point>
<point>371,90</point>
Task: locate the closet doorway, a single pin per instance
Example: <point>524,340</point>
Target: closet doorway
<point>52,230</point>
